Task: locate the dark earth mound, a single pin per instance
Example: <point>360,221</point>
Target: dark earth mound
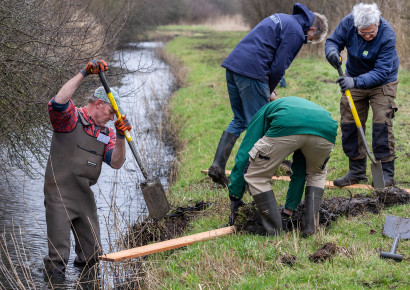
<point>248,220</point>
<point>326,252</point>
<point>170,227</point>
<point>288,259</point>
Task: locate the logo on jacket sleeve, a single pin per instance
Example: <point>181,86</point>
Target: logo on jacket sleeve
<point>275,18</point>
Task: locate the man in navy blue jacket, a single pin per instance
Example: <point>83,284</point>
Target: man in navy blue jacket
<point>255,67</point>
<point>371,76</point>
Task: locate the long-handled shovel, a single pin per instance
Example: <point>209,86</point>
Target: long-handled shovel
<point>152,190</point>
<point>377,170</point>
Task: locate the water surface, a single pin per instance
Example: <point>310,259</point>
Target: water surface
<point>144,94</point>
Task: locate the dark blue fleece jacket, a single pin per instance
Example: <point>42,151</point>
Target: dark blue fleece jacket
<point>270,47</point>
<point>371,63</point>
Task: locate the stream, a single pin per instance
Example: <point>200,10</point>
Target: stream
<point>144,97</point>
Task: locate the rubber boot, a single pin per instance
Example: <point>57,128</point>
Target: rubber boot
<point>217,169</point>
<point>388,173</point>
<point>313,199</point>
<point>356,173</point>
<point>268,211</point>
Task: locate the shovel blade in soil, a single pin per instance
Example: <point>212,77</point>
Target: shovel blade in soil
<point>395,225</point>
<point>377,173</point>
<point>155,199</point>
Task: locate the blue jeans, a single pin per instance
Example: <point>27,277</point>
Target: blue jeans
<point>247,96</point>
<point>282,82</point>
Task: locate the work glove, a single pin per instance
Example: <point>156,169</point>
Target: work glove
<point>345,83</point>
<point>286,221</point>
<point>334,59</point>
<point>94,67</point>
<point>236,203</point>
<point>122,124</point>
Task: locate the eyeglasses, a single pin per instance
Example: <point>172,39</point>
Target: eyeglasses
<point>366,33</point>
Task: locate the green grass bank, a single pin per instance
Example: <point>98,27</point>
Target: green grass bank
<point>201,111</point>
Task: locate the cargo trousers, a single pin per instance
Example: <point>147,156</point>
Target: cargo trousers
<point>312,152</point>
<point>381,99</point>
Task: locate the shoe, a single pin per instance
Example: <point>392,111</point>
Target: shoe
<point>355,175</point>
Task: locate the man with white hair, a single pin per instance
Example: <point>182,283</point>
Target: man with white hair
<point>371,76</point>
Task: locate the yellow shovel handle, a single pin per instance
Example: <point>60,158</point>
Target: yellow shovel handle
<point>113,102</point>
<point>353,108</point>
<point>350,100</point>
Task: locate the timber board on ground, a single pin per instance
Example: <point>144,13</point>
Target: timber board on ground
<point>328,184</point>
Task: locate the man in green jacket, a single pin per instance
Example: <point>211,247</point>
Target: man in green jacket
<point>287,125</point>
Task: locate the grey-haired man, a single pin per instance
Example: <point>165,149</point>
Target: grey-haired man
<point>371,76</point>
<point>79,145</point>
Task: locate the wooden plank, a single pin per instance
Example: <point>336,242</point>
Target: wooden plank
<point>166,245</point>
<point>328,184</point>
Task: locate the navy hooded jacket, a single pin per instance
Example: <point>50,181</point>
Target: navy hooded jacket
<point>371,63</point>
<point>270,47</point>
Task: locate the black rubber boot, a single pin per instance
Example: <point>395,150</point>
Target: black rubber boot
<point>217,169</point>
<point>313,199</point>
<point>388,173</point>
<point>268,211</point>
<point>356,173</point>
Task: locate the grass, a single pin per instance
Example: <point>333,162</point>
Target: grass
<point>201,111</point>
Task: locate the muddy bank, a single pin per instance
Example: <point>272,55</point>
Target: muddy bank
<point>172,226</point>
<point>248,221</point>
<point>331,209</point>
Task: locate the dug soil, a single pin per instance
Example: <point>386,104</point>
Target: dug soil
<point>248,221</point>
<point>331,209</point>
<point>171,226</point>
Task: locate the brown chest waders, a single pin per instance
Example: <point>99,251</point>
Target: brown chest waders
<point>74,164</point>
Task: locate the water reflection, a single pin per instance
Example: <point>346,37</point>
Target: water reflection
<point>144,94</point>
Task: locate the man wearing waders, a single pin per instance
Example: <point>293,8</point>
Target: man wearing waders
<point>371,76</point>
<point>79,145</point>
<point>255,67</point>
<point>282,127</point>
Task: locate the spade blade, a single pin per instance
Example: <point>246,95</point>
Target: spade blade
<point>395,225</point>
<point>377,173</point>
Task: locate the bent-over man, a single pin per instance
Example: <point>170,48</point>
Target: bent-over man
<point>285,126</point>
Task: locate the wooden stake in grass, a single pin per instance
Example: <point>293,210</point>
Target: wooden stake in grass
<point>166,245</point>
